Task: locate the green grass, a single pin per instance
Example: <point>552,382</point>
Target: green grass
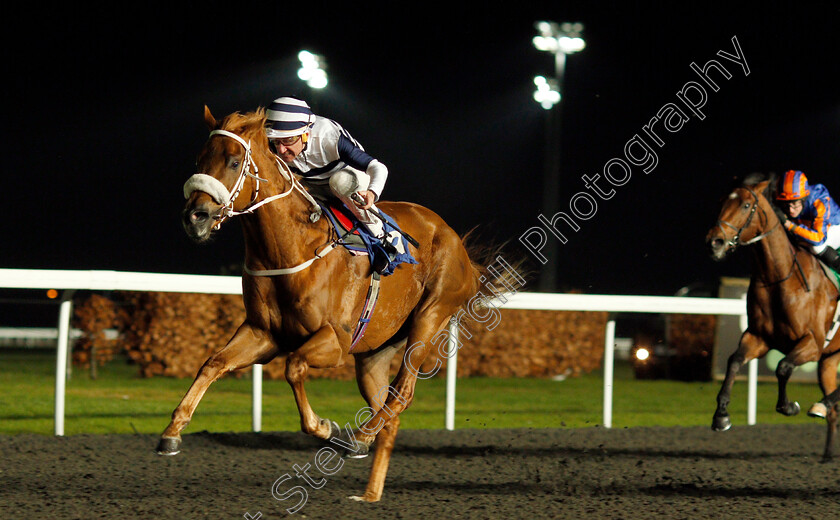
<point>119,401</point>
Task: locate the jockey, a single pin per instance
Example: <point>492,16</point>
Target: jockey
<point>811,215</point>
<point>332,165</point>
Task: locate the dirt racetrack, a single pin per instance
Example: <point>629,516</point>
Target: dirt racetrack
<point>664,473</point>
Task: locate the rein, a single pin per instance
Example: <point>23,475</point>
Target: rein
<point>219,192</point>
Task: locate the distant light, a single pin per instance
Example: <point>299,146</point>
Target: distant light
<point>554,38</point>
<point>569,45</point>
<point>312,69</point>
<point>52,294</point>
<point>547,94</point>
<point>543,43</point>
<point>642,354</point>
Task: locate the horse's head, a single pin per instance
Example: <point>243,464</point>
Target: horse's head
<point>745,218</point>
<point>227,182</point>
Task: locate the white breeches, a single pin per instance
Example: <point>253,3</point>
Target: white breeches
<point>344,184</point>
<point>833,240</point>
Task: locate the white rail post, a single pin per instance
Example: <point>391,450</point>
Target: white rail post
<point>752,377</point>
<point>609,356</point>
<point>256,398</point>
<point>451,374</point>
<point>752,391</point>
<point>64,313</point>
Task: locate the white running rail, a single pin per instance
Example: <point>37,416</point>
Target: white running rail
<point>70,281</point>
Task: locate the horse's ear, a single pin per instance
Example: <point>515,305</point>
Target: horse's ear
<point>209,119</point>
<point>765,188</point>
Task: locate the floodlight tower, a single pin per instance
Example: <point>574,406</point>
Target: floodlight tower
<point>559,40</point>
<point>313,71</point>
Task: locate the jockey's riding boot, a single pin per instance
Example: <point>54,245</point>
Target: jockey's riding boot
<point>830,257</point>
<point>381,262</point>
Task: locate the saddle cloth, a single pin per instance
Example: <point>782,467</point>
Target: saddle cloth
<point>832,275</point>
<point>835,322</point>
<point>356,238</point>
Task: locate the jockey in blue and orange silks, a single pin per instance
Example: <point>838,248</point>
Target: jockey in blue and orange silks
<point>810,215</point>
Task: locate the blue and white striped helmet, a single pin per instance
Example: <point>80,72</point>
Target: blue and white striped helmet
<point>288,117</point>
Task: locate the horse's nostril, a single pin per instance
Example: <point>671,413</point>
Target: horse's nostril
<point>197,217</point>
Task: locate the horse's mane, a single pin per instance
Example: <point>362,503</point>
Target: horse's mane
<point>246,124</point>
<point>753,179</point>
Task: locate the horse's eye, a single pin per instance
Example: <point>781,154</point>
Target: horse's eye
<point>234,164</point>
<point>746,205</point>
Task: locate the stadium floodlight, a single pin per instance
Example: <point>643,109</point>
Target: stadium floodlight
<point>565,38</point>
<point>547,93</point>
<point>559,40</point>
<point>312,69</point>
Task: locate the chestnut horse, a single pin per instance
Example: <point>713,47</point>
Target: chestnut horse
<point>790,302</point>
<point>308,299</point>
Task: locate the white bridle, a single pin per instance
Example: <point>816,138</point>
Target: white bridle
<point>219,192</point>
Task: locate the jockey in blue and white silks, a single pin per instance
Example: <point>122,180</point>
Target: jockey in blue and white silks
<point>810,215</point>
<point>330,161</point>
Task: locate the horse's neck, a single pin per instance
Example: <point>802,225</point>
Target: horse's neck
<point>774,256</point>
<point>280,234</point>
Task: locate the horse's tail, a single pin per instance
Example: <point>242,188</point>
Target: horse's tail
<point>496,274</point>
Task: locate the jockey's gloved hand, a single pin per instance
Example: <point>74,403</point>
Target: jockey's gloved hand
<point>781,214</point>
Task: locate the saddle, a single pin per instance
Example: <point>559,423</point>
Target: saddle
<point>346,227</point>
<point>355,237</point>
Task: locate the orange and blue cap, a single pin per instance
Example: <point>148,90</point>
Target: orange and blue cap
<point>793,186</point>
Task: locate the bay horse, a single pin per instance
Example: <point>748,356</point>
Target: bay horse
<point>307,307</point>
<point>791,302</point>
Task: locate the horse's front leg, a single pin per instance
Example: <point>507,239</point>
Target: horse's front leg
<point>828,407</point>
<point>248,345</point>
<point>322,350</point>
<point>831,419</point>
<point>805,350</point>
<point>750,347</point>
<point>828,385</point>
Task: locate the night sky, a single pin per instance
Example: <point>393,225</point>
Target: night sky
<point>102,112</point>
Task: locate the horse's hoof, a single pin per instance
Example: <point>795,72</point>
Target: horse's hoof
<point>721,423</point>
<point>818,410</point>
<point>351,448</point>
<point>790,409</point>
<point>363,498</point>
<point>335,429</point>
<point>168,446</point>
<point>362,450</point>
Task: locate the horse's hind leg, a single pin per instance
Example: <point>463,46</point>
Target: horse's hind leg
<point>394,399</point>
<point>749,348</point>
<point>372,372</point>
<point>247,346</point>
<point>321,350</point>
